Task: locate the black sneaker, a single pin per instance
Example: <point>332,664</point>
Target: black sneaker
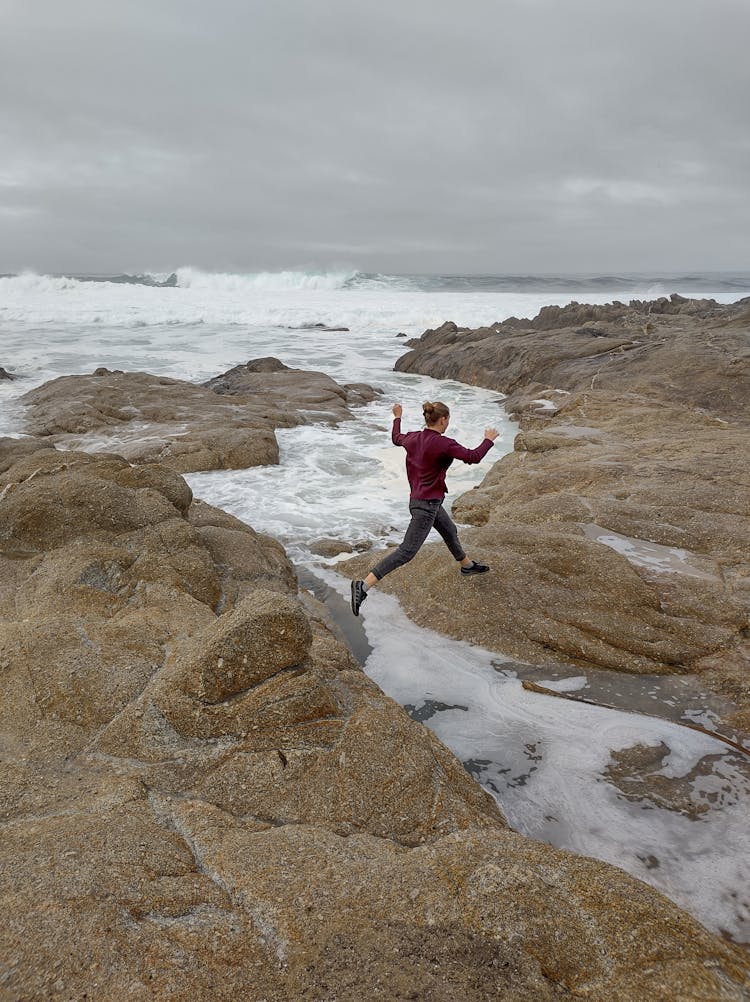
<point>474,568</point>
<point>358,595</point>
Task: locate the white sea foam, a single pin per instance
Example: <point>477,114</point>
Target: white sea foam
<point>36,300</point>
<point>644,553</point>
<point>292,298</point>
<point>546,762</point>
<point>348,482</point>
<point>271,281</point>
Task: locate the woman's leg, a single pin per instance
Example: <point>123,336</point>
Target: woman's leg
<point>422,520</point>
<point>446,527</point>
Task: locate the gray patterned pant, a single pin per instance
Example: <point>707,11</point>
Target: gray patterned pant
<point>425,515</point>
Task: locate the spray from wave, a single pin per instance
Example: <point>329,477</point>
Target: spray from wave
<point>263,281</point>
<point>242,285</point>
<point>222,283</point>
<point>331,298</point>
<point>30,282</point>
<point>290,281</point>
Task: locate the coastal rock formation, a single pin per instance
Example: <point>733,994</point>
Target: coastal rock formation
<point>168,283</point>
<point>227,424</point>
<point>318,327</point>
<point>689,352</point>
<point>312,393</point>
<point>4,374</point>
<point>202,796</point>
<point>619,528</point>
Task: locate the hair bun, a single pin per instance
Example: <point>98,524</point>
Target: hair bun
<point>434,411</point>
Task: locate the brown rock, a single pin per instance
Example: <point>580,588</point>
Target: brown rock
<point>700,345</point>
<point>645,436</point>
<point>271,381</point>
<point>220,806</point>
<point>159,478</point>
<point>13,449</point>
<point>361,393</point>
<point>327,547</point>
<point>260,638</point>
<point>226,424</point>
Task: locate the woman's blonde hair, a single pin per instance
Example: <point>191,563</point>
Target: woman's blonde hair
<point>434,411</point>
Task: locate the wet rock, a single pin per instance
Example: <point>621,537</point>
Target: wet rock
<point>640,773</point>
<point>227,424</point>
<point>313,393</point>
<point>266,364</point>
<point>4,374</point>
<point>319,327</point>
<point>327,547</point>
<point>361,393</point>
<point>554,592</point>
<point>168,283</point>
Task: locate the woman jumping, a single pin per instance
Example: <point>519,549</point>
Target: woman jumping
<point>429,453</point>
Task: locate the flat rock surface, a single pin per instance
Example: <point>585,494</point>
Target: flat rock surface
<point>618,531</point>
<point>202,796</point>
<point>226,424</point>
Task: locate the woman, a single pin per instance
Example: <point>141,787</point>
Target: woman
<point>429,453</point>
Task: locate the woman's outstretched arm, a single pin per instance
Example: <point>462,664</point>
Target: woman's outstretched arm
<point>396,437</point>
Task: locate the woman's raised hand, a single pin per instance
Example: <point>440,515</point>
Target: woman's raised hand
<point>491,433</point>
<point>398,410</point>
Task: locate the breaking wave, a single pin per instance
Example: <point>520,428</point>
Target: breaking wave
<point>263,281</point>
<point>239,284</point>
<point>289,281</point>
<point>219,282</point>
<point>305,299</point>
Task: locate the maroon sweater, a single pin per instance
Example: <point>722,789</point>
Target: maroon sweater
<point>428,456</point>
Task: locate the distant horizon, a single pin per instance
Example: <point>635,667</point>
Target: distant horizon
<point>339,268</point>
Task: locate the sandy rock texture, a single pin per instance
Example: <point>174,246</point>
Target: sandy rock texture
<point>228,423</point>
<point>202,796</point>
<point>618,530</point>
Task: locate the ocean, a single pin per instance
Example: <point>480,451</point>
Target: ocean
<point>543,759</point>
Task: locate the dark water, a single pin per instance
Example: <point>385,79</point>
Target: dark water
<point>662,283</point>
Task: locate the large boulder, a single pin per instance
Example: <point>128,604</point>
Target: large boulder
<point>313,394</point>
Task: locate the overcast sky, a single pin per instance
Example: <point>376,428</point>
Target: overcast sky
<point>394,135</point>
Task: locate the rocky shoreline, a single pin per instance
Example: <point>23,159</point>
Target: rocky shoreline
<point>202,793</point>
<point>226,424</point>
<point>620,525</point>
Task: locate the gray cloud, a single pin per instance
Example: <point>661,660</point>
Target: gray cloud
<point>522,135</point>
